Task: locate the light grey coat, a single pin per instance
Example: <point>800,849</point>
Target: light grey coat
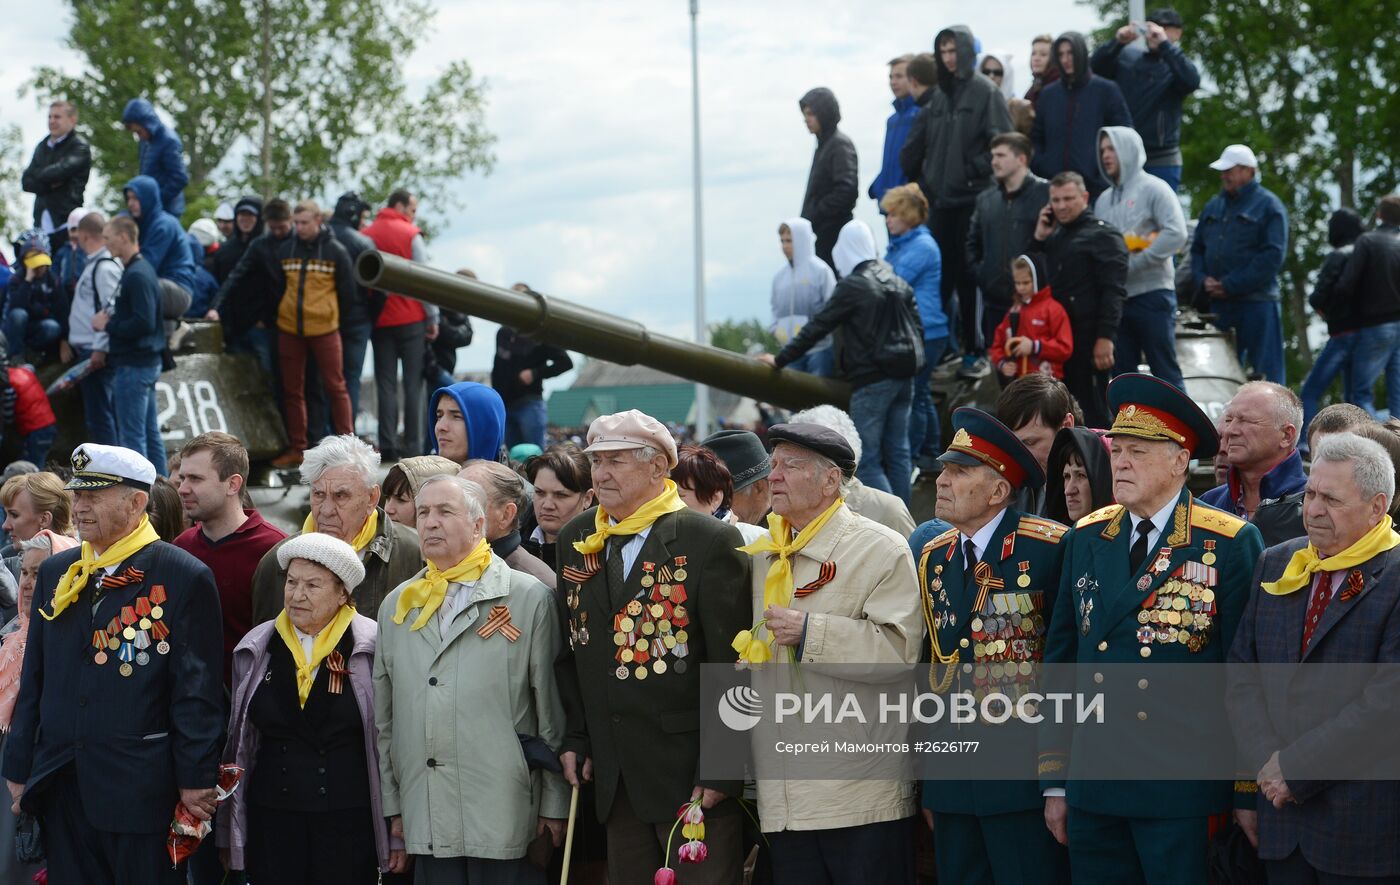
<point>449,710</point>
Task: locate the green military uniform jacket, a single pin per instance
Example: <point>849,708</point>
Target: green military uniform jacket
<point>997,639</point>
<point>1180,607</point>
<point>637,713</point>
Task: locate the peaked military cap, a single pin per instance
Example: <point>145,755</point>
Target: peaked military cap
<point>1149,408</point>
<point>979,438</point>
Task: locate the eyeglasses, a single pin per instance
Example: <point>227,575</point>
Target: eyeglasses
<point>998,73</point>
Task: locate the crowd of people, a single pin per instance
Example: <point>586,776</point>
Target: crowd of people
<point>422,680</point>
<point>1043,233</point>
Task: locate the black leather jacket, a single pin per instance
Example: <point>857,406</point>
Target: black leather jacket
<point>852,313</point>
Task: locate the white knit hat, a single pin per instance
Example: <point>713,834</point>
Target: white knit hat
<point>325,550</point>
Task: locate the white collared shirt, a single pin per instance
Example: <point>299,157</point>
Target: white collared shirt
<point>459,596</point>
<point>308,641</point>
<point>1160,519</point>
<point>982,539</point>
<point>537,535</point>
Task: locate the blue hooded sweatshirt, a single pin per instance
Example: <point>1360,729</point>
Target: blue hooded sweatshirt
<point>162,157</point>
<point>485,415</point>
<point>162,239</point>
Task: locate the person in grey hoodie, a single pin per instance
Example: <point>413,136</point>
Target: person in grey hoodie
<point>799,291</point>
<point>1146,210</point>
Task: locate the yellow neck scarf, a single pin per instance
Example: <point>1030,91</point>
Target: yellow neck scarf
<point>1305,563</point>
<point>325,643</point>
<point>76,578</point>
<point>361,540</point>
<point>669,501</point>
<point>778,586</point>
<point>427,593</point>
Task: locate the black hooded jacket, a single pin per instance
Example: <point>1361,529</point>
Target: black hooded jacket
<point>1069,114</point>
<point>832,185</point>
<point>1089,447</point>
<point>1343,229</point>
<point>345,226</point>
<point>225,258</point>
<point>949,151</point>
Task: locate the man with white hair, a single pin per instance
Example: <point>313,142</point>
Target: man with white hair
<point>883,507</point>
<point>1328,598</point>
<point>1259,433</point>
<point>458,704</point>
<point>342,473</point>
<point>653,591</point>
<point>1236,254</point>
<point>881,393</point>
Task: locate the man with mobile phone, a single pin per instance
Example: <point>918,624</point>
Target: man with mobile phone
<point>1088,262</point>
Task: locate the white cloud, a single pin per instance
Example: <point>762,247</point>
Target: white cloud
<point>590,198</point>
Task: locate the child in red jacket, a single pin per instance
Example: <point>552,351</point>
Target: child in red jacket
<point>1035,335</point>
<point>25,411</point>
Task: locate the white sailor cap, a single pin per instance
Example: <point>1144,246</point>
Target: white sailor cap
<point>97,467</point>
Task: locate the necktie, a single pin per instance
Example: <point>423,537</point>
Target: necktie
<point>1138,554</point>
<point>1322,593</point>
<point>969,565</point>
<point>617,574</point>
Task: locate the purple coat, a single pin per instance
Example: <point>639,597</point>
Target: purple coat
<point>250,659</point>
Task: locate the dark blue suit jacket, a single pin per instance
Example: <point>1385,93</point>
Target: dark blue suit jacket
<point>1342,827</point>
<point>135,740</point>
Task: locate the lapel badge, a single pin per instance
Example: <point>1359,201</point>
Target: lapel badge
<point>1355,582</point>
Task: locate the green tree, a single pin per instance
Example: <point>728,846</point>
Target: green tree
<point>292,97</point>
<point>13,217</point>
<point>742,336</point>
<point>1310,86</point>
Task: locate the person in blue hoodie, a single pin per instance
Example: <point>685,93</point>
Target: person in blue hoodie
<point>161,154</point>
<point>916,259</point>
<point>896,129</point>
<point>1071,111</point>
<point>163,244</point>
<point>468,421</point>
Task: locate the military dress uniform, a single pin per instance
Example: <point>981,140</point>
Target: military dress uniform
<point>1180,605</point>
<point>630,674</point>
<point>121,700</point>
<point>987,620</point>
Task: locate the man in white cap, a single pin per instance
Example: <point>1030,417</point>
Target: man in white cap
<point>120,710</point>
<point>223,217</point>
<point>653,590</point>
<point>1236,255</point>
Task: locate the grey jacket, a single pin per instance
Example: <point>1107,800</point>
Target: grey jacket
<point>1142,204</point>
<point>250,660</point>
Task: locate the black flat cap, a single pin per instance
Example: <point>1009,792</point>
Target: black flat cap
<point>1166,17</point>
<point>743,453</point>
<point>822,440</point>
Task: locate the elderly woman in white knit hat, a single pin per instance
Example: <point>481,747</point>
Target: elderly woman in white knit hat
<point>302,728</point>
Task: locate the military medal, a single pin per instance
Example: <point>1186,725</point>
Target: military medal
<point>99,642</point>
<point>125,669</point>
<point>1209,556</point>
<point>647,579</point>
<point>1024,579</point>
<point>157,597</point>
<point>680,573</point>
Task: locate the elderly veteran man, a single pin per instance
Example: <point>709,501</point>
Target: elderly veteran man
<point>886,509</point>
<point>743,453</point>
<point>652,591</point>
<point>833,588</point>
<point>1133,572</point>
<point>1329,598</point>
<point>988,588</point>
<point>463,683</point>
<point>120,709</point>
<point>1259,435</point>
<point>345,504</point>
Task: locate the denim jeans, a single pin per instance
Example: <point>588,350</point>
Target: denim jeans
<point>925,433</point>
<point>816,362</point>
<point>96,390</point>
<point>1258,328</point>
<point>38,443</point>
<point>1377,350</point>
<point>1334,359</point>
<point>136,411</point>
<point>261,343</point>
<point>24,333</point>
<point>1148,331</point>
<point>1170,174</point>
<point>354,341</point>
<point>526,420</point>
<point>881,415</point>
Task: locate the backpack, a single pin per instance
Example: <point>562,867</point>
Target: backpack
<point>899,333</point>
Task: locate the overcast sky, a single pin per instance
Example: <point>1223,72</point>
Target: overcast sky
<point>590,199</point>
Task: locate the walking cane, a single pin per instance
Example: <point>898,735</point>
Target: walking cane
<point>569,836</point>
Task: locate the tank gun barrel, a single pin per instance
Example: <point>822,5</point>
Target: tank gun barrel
<point>601,335</point>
